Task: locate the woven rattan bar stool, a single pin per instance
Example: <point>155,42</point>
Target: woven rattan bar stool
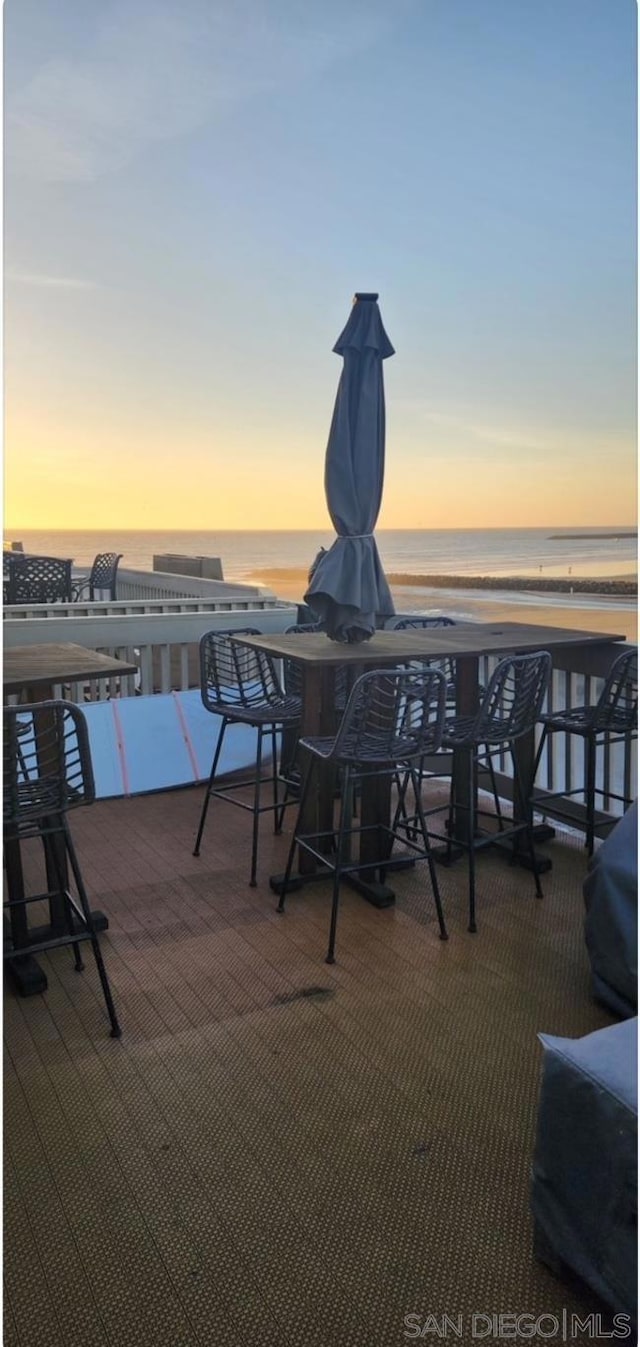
<point>393,716</point>
<point>446,665</point>
<point>509,709</point>
<point>293,672</point>
<point>47,772</point>
<point>242,687</point>
<point>612,720</point>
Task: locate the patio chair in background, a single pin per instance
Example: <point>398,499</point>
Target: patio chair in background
<point>613,720</point>
<point>392,716</point>
<point>7,572</point>
<point>33,579</point>
<point>101,577</point>
<point>418,622</point>
<point>47,771</point>
<point>242,687</point>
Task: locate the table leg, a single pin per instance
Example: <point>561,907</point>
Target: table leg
<point>467,697</point>
<point>375,841</point>
<point>25,973</point>
<point>318,718</point>
<point>525,752</point>
<point>375,814</point>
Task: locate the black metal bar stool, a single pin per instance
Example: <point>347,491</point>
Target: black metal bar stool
<point>612,720</point>
<point>392,717</point>
<point>509,710</point>
<point>47,771</point>
<point>242,687</point>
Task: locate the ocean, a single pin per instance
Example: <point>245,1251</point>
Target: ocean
<point>280,560</point>
<point>413,552</point>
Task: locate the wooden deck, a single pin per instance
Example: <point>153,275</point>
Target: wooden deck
<point>278,1153</point>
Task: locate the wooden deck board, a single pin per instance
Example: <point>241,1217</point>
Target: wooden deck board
<point>278,1152</point>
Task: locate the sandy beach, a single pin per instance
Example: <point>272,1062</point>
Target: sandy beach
<point>617,616</point>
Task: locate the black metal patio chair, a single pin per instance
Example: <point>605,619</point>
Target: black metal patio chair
<point>34,579</point>
<point>7,573</point>
<point>241,686</point>
<point>393,716</point>
<point>613,719</point>
<point>47,771</point>
<point>102,577</point>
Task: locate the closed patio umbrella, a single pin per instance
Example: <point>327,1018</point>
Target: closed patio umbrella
<point>347,587</point>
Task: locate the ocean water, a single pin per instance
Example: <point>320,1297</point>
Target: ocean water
<point>412,552</point>
<point>281,560</point>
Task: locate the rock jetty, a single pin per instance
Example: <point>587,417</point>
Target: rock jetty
<point>571,584</point>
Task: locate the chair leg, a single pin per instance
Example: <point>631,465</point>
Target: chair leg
<point>449,822</point>
<point>285,771</point>
<point>415,779</point>
<point>527,814</point>
<point>212,774</point>
<point>494,788</point>
<point>401,808</point>
<point>116,1031</point>
<point>278,811</point>
<point>294,839</point>
<point>61,882</point>
<point>536,764</point>
<point>345,812</point>
<point>590,792</point>
<point>77,957</point>
<point>256,810</point>
<point>471,844</point>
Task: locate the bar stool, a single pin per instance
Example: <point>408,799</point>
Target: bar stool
<point>393,716</point>
<point>293,672</point>
<point>46,773</point>
<point>612,720</point>
<point>446,664</point>
<point>242,687</point>
<point>509,709</point>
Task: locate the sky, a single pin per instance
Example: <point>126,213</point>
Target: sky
<point>194,192</point>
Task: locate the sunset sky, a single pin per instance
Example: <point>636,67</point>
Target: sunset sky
<point>193,193</point>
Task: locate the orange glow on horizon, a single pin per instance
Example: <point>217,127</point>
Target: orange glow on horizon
<point>52,482</point>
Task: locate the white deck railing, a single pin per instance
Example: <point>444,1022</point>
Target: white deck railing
<point>133,584</point>
<point>160,636</point>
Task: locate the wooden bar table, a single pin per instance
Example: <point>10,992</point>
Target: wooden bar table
<point>33,671</point>
<point>466,643</point>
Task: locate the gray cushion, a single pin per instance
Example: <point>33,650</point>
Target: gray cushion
<point>611,922</point>
<point>584,1189</point>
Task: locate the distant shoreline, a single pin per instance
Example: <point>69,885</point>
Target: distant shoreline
<point>550,585</point>
<point>571,537</point>
<point>621,586</point>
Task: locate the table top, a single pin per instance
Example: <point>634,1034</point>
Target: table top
<point>60,662</point>
<point>386,647</point>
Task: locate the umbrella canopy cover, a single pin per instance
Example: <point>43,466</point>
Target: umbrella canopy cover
<point>347,587</point>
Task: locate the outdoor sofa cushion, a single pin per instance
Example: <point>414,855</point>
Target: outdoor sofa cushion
<point>611,923</point>
<point>584,1189</point>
